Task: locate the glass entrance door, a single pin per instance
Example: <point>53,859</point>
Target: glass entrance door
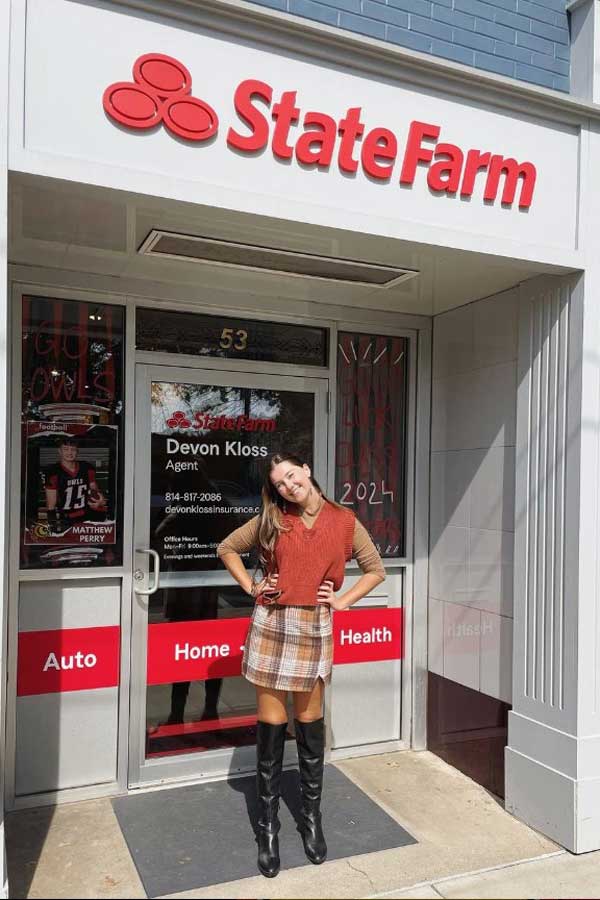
<point>202,440</point>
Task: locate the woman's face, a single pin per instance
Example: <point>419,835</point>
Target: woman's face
<point>292,482</point>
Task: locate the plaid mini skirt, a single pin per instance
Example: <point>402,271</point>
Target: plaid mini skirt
<point>288,647</point>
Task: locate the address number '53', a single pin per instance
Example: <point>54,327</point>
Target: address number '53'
<point>238,340</point>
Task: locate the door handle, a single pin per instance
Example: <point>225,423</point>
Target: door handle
<point>138,575</point>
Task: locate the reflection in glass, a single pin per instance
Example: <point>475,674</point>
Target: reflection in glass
<point>233,723</point>
<point>195,716</point>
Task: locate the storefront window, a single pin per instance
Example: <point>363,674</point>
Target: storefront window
<point>229,337</point>
<point>372,378</point>
<point>71,416</point>
<point>209,447</point>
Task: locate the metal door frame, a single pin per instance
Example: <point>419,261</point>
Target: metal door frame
<point>207,764</point>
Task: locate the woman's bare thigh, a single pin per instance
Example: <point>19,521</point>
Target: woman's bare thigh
<point>308,705</point>
<point>271,705</point>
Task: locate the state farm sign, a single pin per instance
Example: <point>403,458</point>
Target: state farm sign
<point>161,95</point>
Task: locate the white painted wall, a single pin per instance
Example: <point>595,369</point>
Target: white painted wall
<point>585,49</point>
<point>472,494</point>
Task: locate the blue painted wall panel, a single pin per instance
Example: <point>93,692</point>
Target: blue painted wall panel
<point>536,11</point>
<point>513,20</point>
<point>420,7</point>
<point>453,17</point>
<point>385,13</point>
<point>431,27</point>
<point>535,75</point>
<point>411,39</point>
<point>474,40</point>
<point>495,64</point>
<point>492,29</point>
<point>510,51</point>
<point>454,52</point>
<point>523,39</point>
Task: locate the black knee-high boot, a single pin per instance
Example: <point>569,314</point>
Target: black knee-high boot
<point>310,738</point>
<point>270,741</point>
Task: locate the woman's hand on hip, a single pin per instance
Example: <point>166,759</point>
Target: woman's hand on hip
<point>269,583</point>
<point>325,594</point>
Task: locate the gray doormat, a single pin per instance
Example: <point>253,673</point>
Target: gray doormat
<point>195,836</point>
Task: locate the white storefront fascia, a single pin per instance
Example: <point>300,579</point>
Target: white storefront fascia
<point>65,55</point>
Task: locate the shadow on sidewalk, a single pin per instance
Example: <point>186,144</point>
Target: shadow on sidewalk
<point>26,833</point>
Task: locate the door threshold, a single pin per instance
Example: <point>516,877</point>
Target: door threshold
<point>367,750</point>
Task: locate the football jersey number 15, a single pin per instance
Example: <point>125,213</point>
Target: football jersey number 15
<point>77,502</point>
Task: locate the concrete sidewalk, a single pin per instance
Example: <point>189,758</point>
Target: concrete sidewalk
<point>467,847</point>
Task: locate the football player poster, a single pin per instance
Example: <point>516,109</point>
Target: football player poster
<point>70,484</point>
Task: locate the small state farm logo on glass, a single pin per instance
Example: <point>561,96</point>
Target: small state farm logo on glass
<point>179,420</point>
<point>161,92</point>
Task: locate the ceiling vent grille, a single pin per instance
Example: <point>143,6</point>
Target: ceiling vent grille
<point>191,248</point>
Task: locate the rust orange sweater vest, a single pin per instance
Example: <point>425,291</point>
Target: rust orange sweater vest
<point>306,557</point>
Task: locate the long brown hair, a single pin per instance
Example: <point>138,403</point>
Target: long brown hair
<point>273,507</point>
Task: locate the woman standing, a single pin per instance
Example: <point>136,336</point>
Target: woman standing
<point>304,542</point>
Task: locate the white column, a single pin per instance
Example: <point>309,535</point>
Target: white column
<point>541,759</point>
<point>4,394</point>
<point>553,753</point>
<point>585,49</point>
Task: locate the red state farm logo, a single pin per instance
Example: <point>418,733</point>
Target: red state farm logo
<point>179,420</point>
<point>160,92</point>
